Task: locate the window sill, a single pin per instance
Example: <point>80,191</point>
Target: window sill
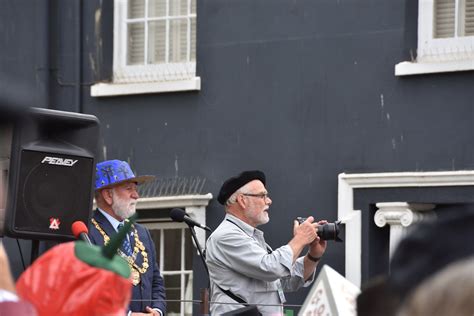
<point>407,68</point>
<point>115,89</point>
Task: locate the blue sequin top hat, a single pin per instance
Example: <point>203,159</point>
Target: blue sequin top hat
<point>112,172</point>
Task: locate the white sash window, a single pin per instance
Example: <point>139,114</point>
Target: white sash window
<point>154,47</point>
<point>445,38</point>
<point>174,246</point>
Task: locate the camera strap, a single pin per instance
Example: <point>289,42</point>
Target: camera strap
<point>240,300</point>
<point>233,296</point>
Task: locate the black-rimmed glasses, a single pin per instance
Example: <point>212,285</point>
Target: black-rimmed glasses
<point>263,196</point>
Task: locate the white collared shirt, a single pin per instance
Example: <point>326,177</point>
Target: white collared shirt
<point>239,260</point>
<point>113,221</point>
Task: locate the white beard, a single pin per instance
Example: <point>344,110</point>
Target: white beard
<point>258,218</point>
<point>123,208</point>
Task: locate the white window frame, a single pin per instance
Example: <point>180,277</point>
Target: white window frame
<point>195,207</point>
<point>186,308</point>
<point>436,55</point>
<point>141,79</point>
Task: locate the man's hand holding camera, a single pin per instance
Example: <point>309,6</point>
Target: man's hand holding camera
<point>317,245</point>
<point>304,233</point>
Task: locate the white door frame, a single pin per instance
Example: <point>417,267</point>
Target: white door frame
<point>352,218</point>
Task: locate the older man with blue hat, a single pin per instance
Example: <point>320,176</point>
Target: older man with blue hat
<point>116,196</point>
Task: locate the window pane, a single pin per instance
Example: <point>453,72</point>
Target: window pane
<point>188,294</point>
<point>173,292</point>
<point>157,8</point>
<point>157,42</point>
<point>469,18</point>
<point>193,39</point>
<point>136,44</point>
<point>178,40</point>
<point>172,250</point>
<point>193,6</point>
<point>178,7</point>
<point>136,9</point>
<point>155,236</point>
<point>444,18</point>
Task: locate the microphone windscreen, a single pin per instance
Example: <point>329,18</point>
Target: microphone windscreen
<point>177,214</point>
<point>78,228</point>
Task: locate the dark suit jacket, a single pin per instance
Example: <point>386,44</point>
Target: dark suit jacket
<point>150,291</point>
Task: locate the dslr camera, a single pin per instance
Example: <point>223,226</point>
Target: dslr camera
<point>328,231</point>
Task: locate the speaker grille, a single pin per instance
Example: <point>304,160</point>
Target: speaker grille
<point>54,191</point>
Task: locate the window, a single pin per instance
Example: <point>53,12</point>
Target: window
<point>173,242</point>
<point>154,47</point>
<point>445,38</point>
<point>175,256</point>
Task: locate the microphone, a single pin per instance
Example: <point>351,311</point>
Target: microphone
<point>179,215</point>
<point>79,230</point>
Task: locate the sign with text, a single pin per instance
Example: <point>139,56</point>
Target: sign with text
<point>331,295</point>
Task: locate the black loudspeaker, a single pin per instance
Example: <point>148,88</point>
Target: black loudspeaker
<point>51,174</point>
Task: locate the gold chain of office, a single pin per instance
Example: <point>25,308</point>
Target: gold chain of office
<point>130,259</point>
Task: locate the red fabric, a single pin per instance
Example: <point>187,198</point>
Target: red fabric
<point>60,284</point>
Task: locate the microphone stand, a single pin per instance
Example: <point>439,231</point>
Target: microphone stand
<point>204,292</point>
<point>203,258</point>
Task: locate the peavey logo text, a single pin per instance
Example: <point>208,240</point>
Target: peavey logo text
<point>59,161</point>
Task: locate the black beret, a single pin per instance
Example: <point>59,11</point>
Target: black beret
<point>233,184</point>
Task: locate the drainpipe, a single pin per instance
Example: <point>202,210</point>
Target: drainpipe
<point>79,107</point>
<point>43,44</point>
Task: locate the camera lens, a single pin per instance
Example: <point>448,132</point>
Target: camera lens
<point>328,231</point>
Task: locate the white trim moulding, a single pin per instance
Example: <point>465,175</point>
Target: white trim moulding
<point>115,89</point>
<point>407,68</point>
<point>173,201</point>
<point>352,218</point>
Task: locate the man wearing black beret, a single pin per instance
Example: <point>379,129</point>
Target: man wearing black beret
<point>242,267</point>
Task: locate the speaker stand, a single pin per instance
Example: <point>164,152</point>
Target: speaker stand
<point>34,250</point>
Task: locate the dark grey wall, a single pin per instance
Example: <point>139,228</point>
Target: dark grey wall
<point>23,62</point>
<point>303,90</point>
